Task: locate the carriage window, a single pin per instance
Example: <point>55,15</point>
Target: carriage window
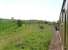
<point>66,16</point>
<point>63,16</point>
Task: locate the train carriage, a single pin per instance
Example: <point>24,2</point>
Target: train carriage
<point>63,22</point>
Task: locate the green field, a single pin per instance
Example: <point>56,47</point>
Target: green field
<point>30,36</point>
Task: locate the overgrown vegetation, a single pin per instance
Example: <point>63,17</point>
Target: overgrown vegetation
<point>29,36</point>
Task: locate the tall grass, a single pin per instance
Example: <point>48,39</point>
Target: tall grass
<point>26,37</point>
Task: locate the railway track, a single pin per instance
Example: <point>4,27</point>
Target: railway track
<point>56,42</point>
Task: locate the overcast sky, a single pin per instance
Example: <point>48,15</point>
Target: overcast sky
<point>31,9</point>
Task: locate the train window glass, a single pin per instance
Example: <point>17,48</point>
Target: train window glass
<point>66,17</point>
<point>62,17</point>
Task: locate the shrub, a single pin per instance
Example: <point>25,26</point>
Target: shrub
<point>19,23</point>
<point>41,27</point>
